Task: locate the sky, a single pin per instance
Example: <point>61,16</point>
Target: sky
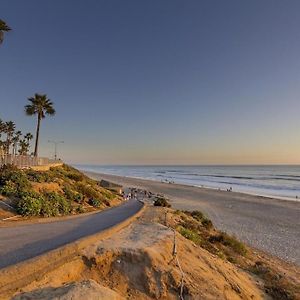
<point>157,82</point>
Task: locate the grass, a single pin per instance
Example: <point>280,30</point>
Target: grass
<point>229,241</point>
<point>276,285</point>
<point>190,235</point>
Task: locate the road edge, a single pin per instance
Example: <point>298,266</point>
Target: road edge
<point>14,277</point>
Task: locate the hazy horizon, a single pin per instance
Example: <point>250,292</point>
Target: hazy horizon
<point>157,83</point>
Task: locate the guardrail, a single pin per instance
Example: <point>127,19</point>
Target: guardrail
<point>26,161</point>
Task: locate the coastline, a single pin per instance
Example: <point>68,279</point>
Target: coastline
<point>236,187</point>
<point>269,224</point>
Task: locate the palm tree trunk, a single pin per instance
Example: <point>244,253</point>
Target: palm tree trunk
<point>37,136</point>
<point>7,144</point>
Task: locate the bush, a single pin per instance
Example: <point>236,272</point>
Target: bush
<point>161,201</point>
<point>229,241</point>
<point>95,202</point>
<point>37,176</point>
<point>13,180</point>
<point>207,223</point>
<point>30,205</point>
<point>87,190</point>
<point>76,176</point>
<point>9,189</point>
<point>199,216</point>
<point>80,209</point>
<point>190,235</point>
<point>55,204</point>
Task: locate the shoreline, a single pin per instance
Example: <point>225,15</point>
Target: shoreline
<point>269,197</point>
<point>253,193</point>
<point>269,224</point>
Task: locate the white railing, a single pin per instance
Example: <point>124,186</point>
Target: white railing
<point>26,161</point>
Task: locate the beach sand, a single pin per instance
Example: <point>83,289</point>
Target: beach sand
<point>270,225</point>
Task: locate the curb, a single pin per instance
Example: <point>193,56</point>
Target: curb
<point>19,275</point>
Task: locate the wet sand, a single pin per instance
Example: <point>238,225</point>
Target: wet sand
<point>268,224</point>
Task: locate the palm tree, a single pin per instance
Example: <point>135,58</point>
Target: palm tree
<point>9,130</point>
<point>41,106</point>
<point>28,137</point>
<point>3,28</point>
<point>2,130</point>
<point>15,141</point>
<point>24,147</point>
<point>2,127</point>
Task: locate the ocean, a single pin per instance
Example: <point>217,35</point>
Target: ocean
<point>280,181</point>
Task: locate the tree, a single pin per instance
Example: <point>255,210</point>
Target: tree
<point>28,137</point>
<point>24,147</point>
<point>3,28</point>
<point>2,130</point>
<point>41,106</point>
<point>9,130</point>
<point>15,141</point>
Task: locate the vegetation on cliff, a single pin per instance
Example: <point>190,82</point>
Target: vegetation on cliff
<point>59,191</point>
<point>200,230</point>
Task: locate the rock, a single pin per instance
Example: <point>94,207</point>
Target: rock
<point>87,289</point>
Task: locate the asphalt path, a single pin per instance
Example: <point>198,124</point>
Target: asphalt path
<point>19,243</point>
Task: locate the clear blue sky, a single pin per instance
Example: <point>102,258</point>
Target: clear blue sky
<point>157,82</point>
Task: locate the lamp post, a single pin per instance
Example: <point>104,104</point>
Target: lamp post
<point>55,147</point>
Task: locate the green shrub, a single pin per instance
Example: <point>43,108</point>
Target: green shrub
<point>78,198</point>
<point>190,235</point>
<point>95,202</point>
<point>87,190</point>
<point>38,176</point>
<point>30,206</point>
<point>108,194</point>
<point>9,176</point>
<point>207,223</point>
<point>229,241</point>
<point>55,204</point>
<point>80,209</point>
<point>9,189</point>
<point>76,176</point>
<point>199,216</point>
<point>161,201</point>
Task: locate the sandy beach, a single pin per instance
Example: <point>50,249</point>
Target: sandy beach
<point>271,225</point>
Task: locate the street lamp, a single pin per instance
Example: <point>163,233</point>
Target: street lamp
<point>55,147</point>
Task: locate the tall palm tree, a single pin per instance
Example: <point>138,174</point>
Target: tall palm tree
<point>9,130</point>
<point>2,130</point>
<point>41,106</point>
<point>3,28</point>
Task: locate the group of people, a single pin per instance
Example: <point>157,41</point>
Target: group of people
<point>135,193</point>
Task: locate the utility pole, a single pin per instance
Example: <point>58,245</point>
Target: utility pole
<point>55,147</point>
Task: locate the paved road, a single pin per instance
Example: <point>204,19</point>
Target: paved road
<point>268,224</point>
<point>22,242</point>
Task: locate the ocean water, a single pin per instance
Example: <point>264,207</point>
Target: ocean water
<point>271,181</point>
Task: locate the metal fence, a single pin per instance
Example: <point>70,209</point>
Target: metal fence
<point>26,161</point>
